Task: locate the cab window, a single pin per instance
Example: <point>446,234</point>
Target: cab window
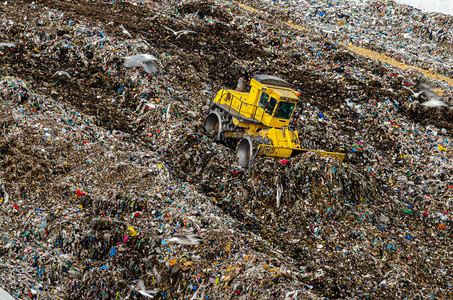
<point>284,110</point>
<point>263,99</point>
<point>267,102</point>
<point>271,104</point>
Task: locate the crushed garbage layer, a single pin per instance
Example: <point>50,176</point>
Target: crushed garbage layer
<point>111,189</point>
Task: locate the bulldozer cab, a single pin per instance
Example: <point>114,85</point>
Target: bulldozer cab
<point>284,108</point>
<point>274,96</point>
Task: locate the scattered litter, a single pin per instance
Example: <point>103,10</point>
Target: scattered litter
<point>111,189</point>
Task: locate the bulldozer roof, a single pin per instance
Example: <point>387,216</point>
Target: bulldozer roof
<point>286,93</point>
<point>271,80</point>
<point>278,86</point>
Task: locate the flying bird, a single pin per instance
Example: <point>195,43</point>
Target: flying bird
<point>146,104</point>
<point>144,292</point>
<point>190,239</point>
<point>416,95</point>
<point>61,73</point>
<point>434,100</point>
<point>97,41</point>
<point>148,61</point>
<point>412,70</point>
<point>125,31</point>
<point>329,29</point>
<point>180,32</point>
<point>7,45</point>
<point>407,35</point>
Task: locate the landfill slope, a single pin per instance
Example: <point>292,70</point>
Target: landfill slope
<point>102,168</point>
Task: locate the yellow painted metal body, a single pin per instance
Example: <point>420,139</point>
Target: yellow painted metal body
<point>248,107</point>
<point>258,117</point>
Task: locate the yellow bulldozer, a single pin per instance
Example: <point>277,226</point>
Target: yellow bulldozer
<point>259,120</point>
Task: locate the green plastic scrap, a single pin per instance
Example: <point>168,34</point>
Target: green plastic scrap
<point>408,211</point>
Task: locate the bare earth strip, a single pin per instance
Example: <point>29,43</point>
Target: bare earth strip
<point>394,62</point>
<point>291,24</point>
<point>249,8</point>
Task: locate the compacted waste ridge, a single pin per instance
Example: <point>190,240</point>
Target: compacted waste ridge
<point>111,189</point>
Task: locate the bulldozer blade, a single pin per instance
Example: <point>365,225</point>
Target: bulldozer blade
<point>298,151</point>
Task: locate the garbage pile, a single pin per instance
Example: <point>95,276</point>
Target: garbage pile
<point>111,189</point>
<point>419,38</point>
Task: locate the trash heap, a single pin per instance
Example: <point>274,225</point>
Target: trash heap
<point>419,38</point>
<point>111,189</point>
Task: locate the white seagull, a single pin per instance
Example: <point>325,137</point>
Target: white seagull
<point>61,73</point>
<point>434,100</point>
<point>180,32</point>
<point>149,62</point>
<point>146,104</point>
<point>182,239</point>
<point>7,45</point>
<point>329,29</point>
<point>97,41</point>
<point>416,95</point>
<point>125,31</point>
<point>144,292</point>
